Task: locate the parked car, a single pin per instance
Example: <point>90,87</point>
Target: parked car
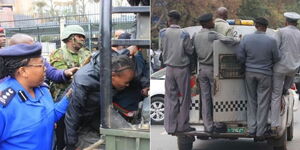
<point>157,92</point>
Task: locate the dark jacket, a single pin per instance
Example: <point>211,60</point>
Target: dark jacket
<point>176,46</point>
<point>84,108</point>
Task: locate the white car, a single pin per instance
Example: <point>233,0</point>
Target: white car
<point>157,92</point>
<point>296,96</point>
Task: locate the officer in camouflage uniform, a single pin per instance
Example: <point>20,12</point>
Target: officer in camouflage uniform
<point>72,54</point>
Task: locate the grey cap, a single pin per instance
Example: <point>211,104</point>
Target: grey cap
<point>292,15</point>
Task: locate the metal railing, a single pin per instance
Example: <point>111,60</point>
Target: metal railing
<point>48,29</point>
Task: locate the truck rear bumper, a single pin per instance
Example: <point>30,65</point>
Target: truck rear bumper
<point>219,135</point>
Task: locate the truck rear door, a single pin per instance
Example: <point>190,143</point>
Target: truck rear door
<point>229,97</point>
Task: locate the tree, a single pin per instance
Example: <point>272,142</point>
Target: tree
<point>74,6</point>
<point>189,9</point>
<point>40,8</point>
<point>293,5</point>
<point>238,9</point>
<point>52,11</point>
<point>251,9</point>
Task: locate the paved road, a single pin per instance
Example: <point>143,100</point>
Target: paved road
<point>161,141</point>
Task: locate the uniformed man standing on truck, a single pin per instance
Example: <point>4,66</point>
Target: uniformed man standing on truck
<point>258,52</point>
<point>221,25</point>
<point>203,44</point>
<point>176,47</point>
<point>288,42</point>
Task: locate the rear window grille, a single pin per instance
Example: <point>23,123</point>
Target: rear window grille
<point>229,67</point>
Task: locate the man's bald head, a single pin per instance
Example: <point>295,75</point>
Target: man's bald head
<point>222,12</point>
<point>20,38</point>
<point>118,33</point>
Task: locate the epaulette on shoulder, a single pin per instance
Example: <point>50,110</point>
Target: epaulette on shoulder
<point>184,31</point>
<point>163,30</point>
<point>6,96</point>
<point>44,85</point>
<point>184,34</point>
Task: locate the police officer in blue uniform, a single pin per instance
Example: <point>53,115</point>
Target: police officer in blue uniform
<point>27,111</point>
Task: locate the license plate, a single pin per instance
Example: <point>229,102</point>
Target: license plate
<point>236,130</point>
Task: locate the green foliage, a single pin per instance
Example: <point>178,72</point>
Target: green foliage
<point>238,9</point>
<point>243,9</point>
<point>295,6</point>
<point>251,9</point>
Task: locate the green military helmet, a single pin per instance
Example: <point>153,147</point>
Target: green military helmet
<point>72,29</point>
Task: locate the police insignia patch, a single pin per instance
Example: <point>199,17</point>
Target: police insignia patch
<point>6,96</point>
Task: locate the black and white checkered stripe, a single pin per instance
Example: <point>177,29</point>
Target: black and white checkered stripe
<point>230,106</point>
<point>195,105</point>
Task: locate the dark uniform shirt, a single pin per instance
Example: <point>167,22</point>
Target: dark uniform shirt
<point>259,52</point>
<point>203,44</point>
<point>176,46</point>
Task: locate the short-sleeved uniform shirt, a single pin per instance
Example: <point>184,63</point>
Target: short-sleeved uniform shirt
<point>27,123</point>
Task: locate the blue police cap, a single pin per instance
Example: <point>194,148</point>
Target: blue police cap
<point>22,50</point>
<point>125,36</point>
<point>206,17</point>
